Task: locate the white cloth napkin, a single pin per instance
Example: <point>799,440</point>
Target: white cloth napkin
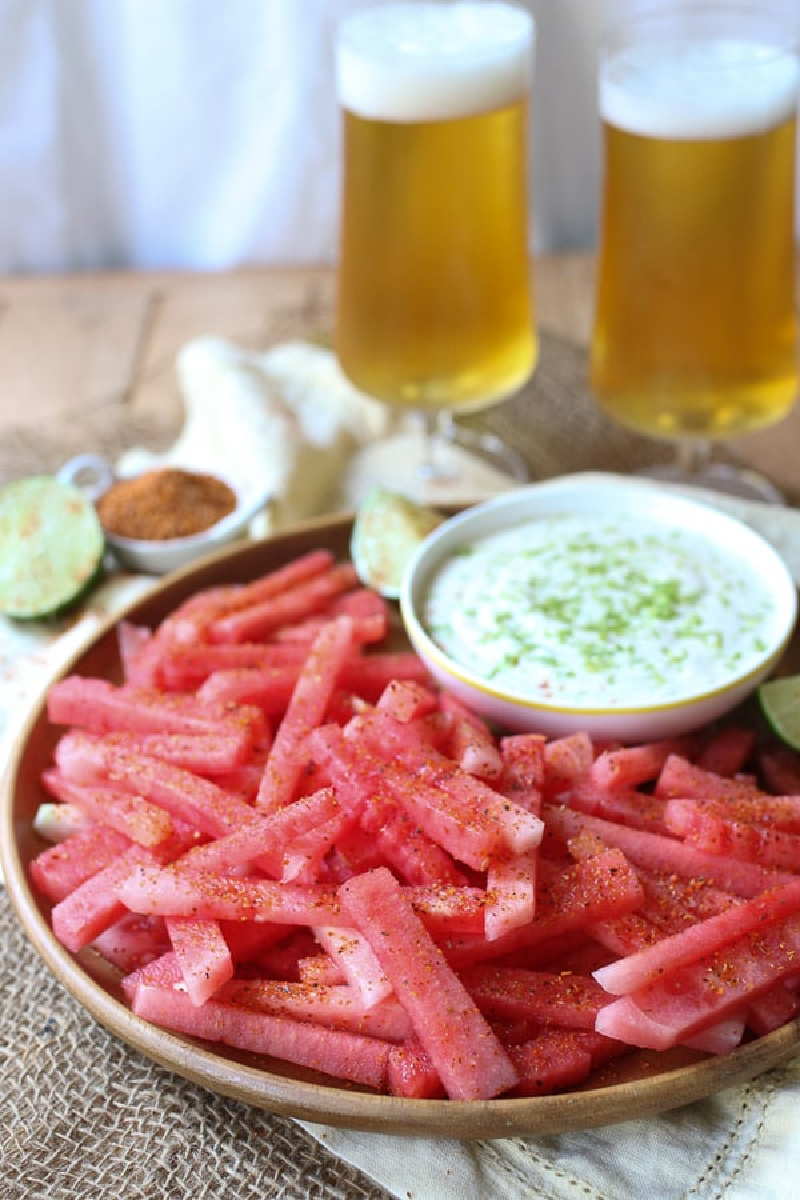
<point>288,416</point>
<point>740,1144</point>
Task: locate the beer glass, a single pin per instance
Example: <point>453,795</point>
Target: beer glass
<point>695,335</point>
<point>434,305</point>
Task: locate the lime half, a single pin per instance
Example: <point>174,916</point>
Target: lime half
<point>780,704</point>
<point>51,546</point>
<point>387,530</point>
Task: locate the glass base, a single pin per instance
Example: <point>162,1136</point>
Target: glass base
<point>718,477</point>
<point>487,447</point>
<point>450,467</point>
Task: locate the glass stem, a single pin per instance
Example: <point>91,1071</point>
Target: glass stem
<point>445,425</point>
<point>429,468</point>
<point>692,457</point>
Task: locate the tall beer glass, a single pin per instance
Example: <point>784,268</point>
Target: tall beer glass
<point>435,309</point>
<point>695,333</point>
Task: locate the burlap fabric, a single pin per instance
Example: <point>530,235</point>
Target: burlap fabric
<point>553,422</point>
<point>84,1116</point>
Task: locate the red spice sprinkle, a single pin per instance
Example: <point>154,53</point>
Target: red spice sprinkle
<point>165,503</point>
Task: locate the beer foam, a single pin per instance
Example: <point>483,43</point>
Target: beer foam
<point>677,89</point>
<point>430,62</point>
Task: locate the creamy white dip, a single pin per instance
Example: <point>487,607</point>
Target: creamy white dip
<point>613,612</point>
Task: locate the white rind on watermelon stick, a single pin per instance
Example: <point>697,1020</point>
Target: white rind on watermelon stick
<point>55,822</point>
<point>462,1046</point>
<point>472,743</point>
<point>623,1020</point>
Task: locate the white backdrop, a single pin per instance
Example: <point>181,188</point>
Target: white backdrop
<point>204,133</point>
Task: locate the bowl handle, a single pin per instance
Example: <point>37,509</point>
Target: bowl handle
<point>90,473</point>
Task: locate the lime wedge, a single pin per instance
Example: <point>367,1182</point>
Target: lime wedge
<point>387,530</point>
<point>51,546</point>
<point>780,704</point>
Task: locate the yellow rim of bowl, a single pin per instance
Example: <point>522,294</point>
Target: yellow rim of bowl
<point>450,667</point>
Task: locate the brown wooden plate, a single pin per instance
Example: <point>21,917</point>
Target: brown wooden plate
<point>639,1085</point>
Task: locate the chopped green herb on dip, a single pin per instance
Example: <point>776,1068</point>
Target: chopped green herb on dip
<point>609,613</point>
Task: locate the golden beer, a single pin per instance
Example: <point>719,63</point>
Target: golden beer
<point>695,327</point>
<point>435,304</point>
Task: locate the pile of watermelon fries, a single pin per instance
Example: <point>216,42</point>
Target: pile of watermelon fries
<point>290,842</point>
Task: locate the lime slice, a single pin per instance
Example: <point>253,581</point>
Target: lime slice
<point>386,532</point>
<point>51,546</point>
<point>780,704</point>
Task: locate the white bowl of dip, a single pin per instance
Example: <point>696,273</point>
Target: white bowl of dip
<point>600,605</point>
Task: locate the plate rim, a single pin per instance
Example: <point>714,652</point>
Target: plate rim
<point>211,1067</point>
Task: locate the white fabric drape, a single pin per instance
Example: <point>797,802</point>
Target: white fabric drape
<point>189,133</point>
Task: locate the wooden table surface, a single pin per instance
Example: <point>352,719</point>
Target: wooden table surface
<point>81,343</point>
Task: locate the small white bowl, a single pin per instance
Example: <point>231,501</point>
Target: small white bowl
<point>639,716</point>
<point>94,475</point>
